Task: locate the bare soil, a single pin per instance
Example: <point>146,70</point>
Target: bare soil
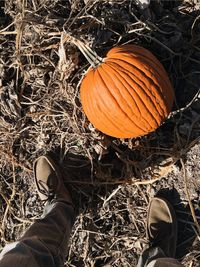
<point>111,180</point>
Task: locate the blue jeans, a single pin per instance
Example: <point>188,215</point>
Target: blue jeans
<point>45,242</point>
<point>155,257</point>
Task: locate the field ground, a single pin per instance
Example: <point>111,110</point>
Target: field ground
<point>111,180</point>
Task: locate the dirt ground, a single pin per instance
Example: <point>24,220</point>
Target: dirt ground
<point>111,180</point>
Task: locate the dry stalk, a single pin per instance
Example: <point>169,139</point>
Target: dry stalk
<point>159,42</point>
<point>8,206</point>
<point>111,195</point>
<point>89,54</point>
<point>133,216</point>
<point>29,34</point>
<point>14,161</point>
<point>187,106</point>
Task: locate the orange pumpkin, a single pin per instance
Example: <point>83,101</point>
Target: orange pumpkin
<point>128,94</point>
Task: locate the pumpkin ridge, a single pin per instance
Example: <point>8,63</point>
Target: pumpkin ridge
<point>157,65</point>
<point>119,108</point>
<point>86,98</point>
<point>140,89</point>
<point>143,73</point>
<point>152,58</point>
<point>143,52</point>
<point>126,48</point>
<point>140,51</point>
<point>163,77</point>
<point>111,122</point>
<point>136,79</point>
<point>138,118</point>
<point>148,109</point>
<point>149,71</point>
<point>99,111</point>
<point>130,108</point>
<point>159,91</point>
<point>136,50</point>
<point>151,95</point>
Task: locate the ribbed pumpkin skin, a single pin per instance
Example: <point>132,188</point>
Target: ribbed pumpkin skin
<point>129,94</point>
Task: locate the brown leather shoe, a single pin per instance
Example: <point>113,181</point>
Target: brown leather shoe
<point>162,226</point>
<point>49,181</point>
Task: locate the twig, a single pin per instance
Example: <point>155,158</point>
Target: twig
<point>111,195</point>
<point>7,27</point>
<point>145,182</point>
<point>160,43</point>
<point>9,201</point>
<point>16,164</point>
<point>49,34</point>
<point>187,106</point>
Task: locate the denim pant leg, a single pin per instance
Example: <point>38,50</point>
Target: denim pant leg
<point>45,242</point>
<point>155,257</point>
<point>165,262</point>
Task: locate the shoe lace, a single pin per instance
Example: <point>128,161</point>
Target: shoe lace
<point>49,193</point>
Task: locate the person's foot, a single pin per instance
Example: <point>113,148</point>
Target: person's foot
<point>162,226</point>
<point>49,181</point>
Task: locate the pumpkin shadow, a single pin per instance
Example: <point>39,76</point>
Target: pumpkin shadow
<point>181,58</point>
<point>175,44</point>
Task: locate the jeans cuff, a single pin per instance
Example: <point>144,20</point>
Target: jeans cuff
<point>149,255</point>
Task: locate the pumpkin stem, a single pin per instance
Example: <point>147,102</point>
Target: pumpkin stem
<point>89,54</point>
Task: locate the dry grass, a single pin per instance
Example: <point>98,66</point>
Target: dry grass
<point>111,179</point>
